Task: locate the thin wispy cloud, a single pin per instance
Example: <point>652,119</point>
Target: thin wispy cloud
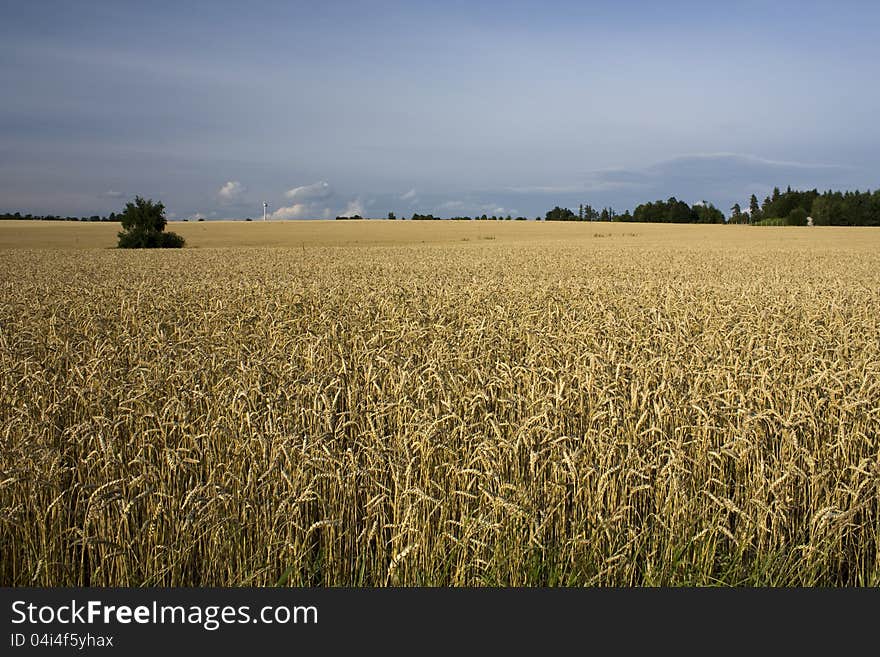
<point>315,191</point>
<point>749,158</point>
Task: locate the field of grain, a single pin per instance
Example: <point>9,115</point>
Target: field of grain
<point>505,404</point>
<point>62,235</point>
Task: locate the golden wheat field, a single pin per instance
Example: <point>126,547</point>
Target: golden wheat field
<point>440,404</point>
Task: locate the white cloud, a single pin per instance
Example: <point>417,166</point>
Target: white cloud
<point>354,207</point>
<point>111,194</point>
<point>411,198</point>
<point>231,190</point>
<point>295,211</point>
<point>497,210</point>
<point>313,192</point>
<point>308,202</point>
<point>301,211</point>
<point>196,216</point>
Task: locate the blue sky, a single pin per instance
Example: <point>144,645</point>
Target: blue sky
<point>444,107</point>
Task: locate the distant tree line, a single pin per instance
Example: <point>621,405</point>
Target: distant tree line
<point>51,217</point>
<point>670,211</point>
<point>586,213</point>
<point>794,208</point>
<point>674,211</point>
<point>847,209</point>
<point>431,217</point>
<point>791,207</point>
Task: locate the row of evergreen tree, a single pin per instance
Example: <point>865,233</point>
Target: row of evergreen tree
<point>586,213</point>
<point>671,211</point>
<point>793,207</point>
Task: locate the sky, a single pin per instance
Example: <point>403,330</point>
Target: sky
<point>448,107</point>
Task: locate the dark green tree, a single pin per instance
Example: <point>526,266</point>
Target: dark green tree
<point>706,213</point>
<point>754,209</point>
<point>672,211</point>
<point>560,214</point>
<point>736,214</point>
<point>143,227</point>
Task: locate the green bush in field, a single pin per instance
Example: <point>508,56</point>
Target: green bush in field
<point>143,226</point>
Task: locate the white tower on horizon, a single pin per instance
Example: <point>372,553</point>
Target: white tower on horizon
<point>265,207</point>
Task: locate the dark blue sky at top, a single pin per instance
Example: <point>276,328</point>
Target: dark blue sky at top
<point>443,107</point>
